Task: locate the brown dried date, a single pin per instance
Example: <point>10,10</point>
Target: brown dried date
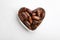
<point>30,19</point>
<point>35,17</point>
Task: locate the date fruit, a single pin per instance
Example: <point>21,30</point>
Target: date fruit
<point>31,19</point>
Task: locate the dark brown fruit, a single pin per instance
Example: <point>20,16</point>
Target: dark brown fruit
<point>31,19</point>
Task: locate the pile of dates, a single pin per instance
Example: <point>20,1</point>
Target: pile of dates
<point>31,19</point>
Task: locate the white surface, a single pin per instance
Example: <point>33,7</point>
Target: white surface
<point>10,29</point>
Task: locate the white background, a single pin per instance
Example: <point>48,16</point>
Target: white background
<point>10,29</point>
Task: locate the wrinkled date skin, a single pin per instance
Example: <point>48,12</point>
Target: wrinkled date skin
<point>31,19</point>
